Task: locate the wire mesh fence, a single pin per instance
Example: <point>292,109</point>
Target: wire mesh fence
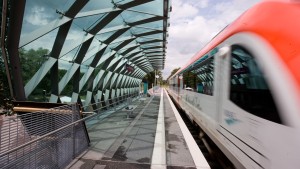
<point>42,139</point>
<point>47,139</point>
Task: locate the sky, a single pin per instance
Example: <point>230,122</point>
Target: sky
<point>193,23</point>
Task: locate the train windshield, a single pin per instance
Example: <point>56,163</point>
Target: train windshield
<point>249,89</point>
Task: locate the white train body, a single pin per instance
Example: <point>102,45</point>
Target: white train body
<point>250,106</point>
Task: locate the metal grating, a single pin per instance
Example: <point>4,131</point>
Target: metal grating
<point>42,139</point>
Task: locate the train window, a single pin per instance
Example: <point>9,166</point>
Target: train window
<point>248,88</point>
<point>205,76</point>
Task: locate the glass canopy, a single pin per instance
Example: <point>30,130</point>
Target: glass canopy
<point>81,49</point>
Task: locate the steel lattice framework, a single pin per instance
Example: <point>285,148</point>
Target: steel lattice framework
<point>92,40</point>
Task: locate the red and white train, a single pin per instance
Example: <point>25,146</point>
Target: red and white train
<point>246,85</point>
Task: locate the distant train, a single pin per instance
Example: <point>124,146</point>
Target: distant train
<point>246,87</point>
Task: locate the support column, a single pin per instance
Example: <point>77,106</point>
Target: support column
<point>13,39</point>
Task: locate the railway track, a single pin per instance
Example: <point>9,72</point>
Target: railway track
<point>214,156</point>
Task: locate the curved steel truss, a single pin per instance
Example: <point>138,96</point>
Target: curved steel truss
<point>101,48</point>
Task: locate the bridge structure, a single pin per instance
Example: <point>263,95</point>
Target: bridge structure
<point>91,56</point>
<point>86,50</point>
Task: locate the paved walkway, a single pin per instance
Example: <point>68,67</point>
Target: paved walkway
<point>150,138</point>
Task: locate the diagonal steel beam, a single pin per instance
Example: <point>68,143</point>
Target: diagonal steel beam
<point>149,33</point>
<point>151,41</point>
<point>115,35</point>
<point>123,44</point>
<point>75,8</point>
<point>106,20</point>
<point>152,47</point>
<point>137,56</point>
<point>128,50</point>
<point>96,12</point>
<point>132,55</point>
<point>133,4</point>
<point>152,19</point>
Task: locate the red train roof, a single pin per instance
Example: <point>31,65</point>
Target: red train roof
<point>277,21</point>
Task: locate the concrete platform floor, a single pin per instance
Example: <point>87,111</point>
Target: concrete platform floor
<point>127,143</point>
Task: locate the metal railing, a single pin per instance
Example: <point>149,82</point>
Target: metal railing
<point>42,139</point>
<point>48,139</point>
<point>114,101</point>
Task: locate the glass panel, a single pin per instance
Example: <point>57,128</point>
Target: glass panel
<point>154,25</point>
<point>154,50</point>
<point>155,36</point>
<point>63,66</point>
<point>152,44</point>
<point>131,16</point>
<point>96,5</point>
<point>40,12</point>
<point>102,37</point>
<point>83,69</point>
<point>75,36</point>
<point>120,2</point>
<point>45,42</point>
<point>139,30</point>
<point>119,20</point>
<point>88,61</point>
<point>28,57</point>
<point>43,90</point>
<point>70,57</point>
<point>88,22</point>
<point>94,45</point>
<point>153,7</point>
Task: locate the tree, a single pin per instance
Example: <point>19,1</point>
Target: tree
<point>173,72</point>
<point>4,89</point>
<point>190,79</point>
<point>149,78</point>
<point>31,61</point>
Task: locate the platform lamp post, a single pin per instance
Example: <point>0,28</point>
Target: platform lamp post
<point>154,78</point>
<point>154,81</point>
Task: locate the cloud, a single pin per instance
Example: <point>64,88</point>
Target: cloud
<point>182,10</point>
<point>194,24</point>
<point>45,41</point>
<point>37,16</point>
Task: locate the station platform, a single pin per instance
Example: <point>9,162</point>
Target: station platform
<point>149,133</point>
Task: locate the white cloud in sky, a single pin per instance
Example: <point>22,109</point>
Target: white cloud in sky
<point>194,23</point>
<point>37,16</point>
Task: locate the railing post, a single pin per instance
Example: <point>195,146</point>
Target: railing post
<point>73,129</point>
<point>115,104</point>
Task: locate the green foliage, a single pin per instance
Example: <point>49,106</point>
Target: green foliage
<point>4,89</point>
<point>31,61</point>
<point>190,79</point>
<point>149,78</point>
<point>7,107</point>
<point>173,72</point>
